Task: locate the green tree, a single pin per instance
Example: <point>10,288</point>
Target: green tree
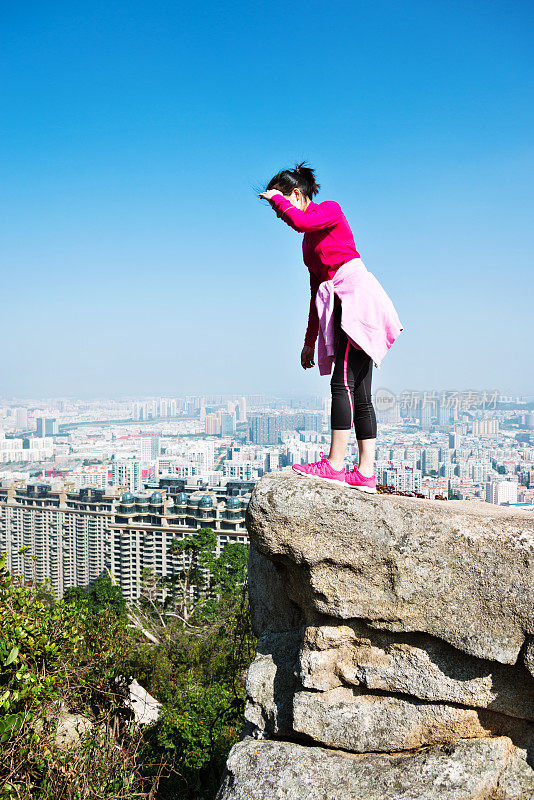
<point>194,591</point>
<point>193,578</point>
<point>102,594</point>
<point>230,569</point>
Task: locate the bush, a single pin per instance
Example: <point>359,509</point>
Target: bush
<point>55,656</point>
<point>65,655</point>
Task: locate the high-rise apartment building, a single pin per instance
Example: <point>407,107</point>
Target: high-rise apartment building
<point>127,473</point>
<point>397,453</point>
<point>193,405</point>
<point>21,418</point>
<point>500,492</point>
<point>212,425</point>
<point>265,429</point>
<point>67,534</point>
<point>429,460</point>
<point>312,421</point>
<point>411,454</point>
<point>399,476</point>
<point>202,455</point>
<point>147,409</point>
<point>76,535</point>
<point>425,414</point>
<point>445,413</point>
<point>485,427</point>
<point>241,470</point>
<point>272,461</point>
<point>478,471</point>
<point>389,414</point>
<point>227,423</point>
<point>149,447</point>
<point>146,524</point>
<point>46,426</point>
<point>445,455</point>
<point>163,407</point>
<point>449,470</point>
<point>166,407</point>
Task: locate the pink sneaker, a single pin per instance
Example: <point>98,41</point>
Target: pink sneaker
<point>321,469</point>
<point>356,480</point>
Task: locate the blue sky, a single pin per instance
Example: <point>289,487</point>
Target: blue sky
<point>136,258</point>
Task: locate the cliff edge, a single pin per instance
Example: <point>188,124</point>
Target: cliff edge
<point>395,656</point>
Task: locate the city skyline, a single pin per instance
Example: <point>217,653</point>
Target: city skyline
<point>135,248</point>
<point>378,391</point>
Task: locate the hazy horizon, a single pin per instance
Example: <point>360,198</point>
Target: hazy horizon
<point>527,398</point>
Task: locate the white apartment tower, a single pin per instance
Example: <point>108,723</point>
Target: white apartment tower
<point>21,417</point>
<point>127,473</point>
<point>149,447</point>
<point>500,492</point>
<point>68,538</point>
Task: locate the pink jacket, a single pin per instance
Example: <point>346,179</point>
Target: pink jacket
<point>368,316</point>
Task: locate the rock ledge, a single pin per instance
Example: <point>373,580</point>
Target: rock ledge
<point>395,648</point>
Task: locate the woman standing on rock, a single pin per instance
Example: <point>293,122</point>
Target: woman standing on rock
<point>350,314</point>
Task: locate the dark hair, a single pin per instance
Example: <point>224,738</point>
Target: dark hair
<point>302,177</point>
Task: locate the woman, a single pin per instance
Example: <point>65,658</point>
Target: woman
<point>351,315</point>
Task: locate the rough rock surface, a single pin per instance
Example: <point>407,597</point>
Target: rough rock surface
<point>71,728</point>
<point>360,722</point>
<point>529,655</point>
<point>478,769</point>
<point>395,649</point>
<point>417,664</point>
<point>146,709</point>
<point>271,609</point>
<point>461,571</point>
<point>271,683</point>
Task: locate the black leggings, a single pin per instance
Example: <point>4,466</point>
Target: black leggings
<point>351,390</point>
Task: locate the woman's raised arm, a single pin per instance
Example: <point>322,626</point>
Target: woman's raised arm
<point>324,216</point>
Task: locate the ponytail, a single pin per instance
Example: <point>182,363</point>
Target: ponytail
<point>301,177</point>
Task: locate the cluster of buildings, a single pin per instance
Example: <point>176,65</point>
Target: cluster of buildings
<point>17,450</point>
<point>75,535</point>
<point>93,485</point>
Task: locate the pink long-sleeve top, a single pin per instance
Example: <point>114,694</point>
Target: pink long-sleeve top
<point>327,244</point>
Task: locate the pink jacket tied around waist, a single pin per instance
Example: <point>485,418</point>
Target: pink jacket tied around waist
<point>368,316</point>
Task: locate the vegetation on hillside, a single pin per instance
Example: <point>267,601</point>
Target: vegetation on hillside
<point>190,651</point>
